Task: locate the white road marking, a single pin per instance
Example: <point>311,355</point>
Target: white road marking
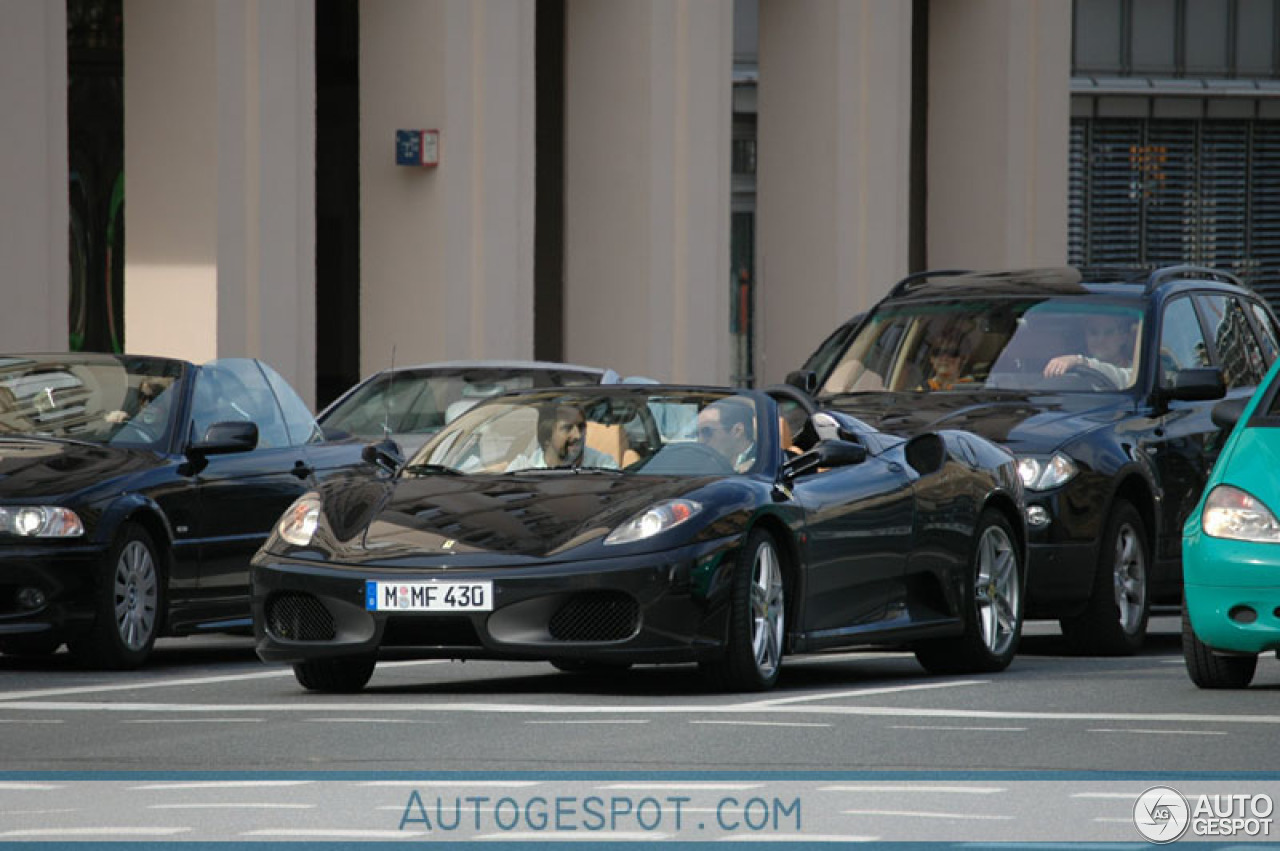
<point>15,785</point>
<point>962,790</point>
<point>37,812</point>
<point>594,721</point>
<point>1159,732</point>
<point>98,831</point>
<point>455,784</point>
<point>372,721</point>
<point>684,787</point>
<point>808,837</point>
<point>193,721</point>
<point>919,814</point>
<point>253,805</point>
<point>219,784</point>
<point>862,692</point>
<point>967,729</point>
<point>565,836</point>
<point>737,723</point>
<point>1128,796</point>
<point>31,721</point>
<point>341,833</point>
<point>187,681</point>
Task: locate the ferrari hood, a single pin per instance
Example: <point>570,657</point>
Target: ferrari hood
<point>1021,422</point>
<point>42,468</point>
<point>469,519</point>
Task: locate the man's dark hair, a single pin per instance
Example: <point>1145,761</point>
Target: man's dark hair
<point>734,411</point>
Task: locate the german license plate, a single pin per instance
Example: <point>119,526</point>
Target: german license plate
<point>428,596</point>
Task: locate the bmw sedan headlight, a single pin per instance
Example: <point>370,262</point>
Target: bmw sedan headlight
<point>1038,474</point>
<point>1230,512</point>
<point>40,521</point>
<point>659,518</point>
<point>298,524</point>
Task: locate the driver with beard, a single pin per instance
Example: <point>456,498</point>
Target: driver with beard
<point>562,442</point>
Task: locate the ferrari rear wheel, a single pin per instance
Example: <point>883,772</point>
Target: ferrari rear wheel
<point>993,613</point>
<point>1213,670</point>
<point>757,620</point>
<point>343,675</point>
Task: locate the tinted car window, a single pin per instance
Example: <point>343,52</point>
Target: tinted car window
<point>299,423</point>
<point>234,390</point>
<point>1238,351</point>
<point>1182,344</point>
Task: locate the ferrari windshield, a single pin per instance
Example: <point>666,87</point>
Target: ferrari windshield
<point>659,432</point>
<point>92,398</point>
<point>1069,344</point>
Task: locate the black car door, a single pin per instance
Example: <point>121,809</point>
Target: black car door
<point>859,521</point>
<point>241,495</point>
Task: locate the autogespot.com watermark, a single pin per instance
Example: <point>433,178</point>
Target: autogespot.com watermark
<point>606,814</point>
<point>1163,814</point>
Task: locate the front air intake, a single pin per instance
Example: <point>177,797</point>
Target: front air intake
<point>596,616</point>
<point>299,617</point>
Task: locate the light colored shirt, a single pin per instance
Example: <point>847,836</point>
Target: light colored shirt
<point>537,461</point>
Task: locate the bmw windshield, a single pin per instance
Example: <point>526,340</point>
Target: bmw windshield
<point>1071,344</point>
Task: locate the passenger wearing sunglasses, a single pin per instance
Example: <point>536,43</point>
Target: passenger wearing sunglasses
<point>948,359</point>
<point>1108,351</point>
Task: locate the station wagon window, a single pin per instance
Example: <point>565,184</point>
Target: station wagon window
<point>1182,344</point>
<point>1238,351</point>
<point>1270,345</point>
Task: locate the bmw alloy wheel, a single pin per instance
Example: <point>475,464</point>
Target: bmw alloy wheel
<point>136,595</point>
<point>1130,576</point>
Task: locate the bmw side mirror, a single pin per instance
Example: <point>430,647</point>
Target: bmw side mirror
<point>1197,385</point>
<point>1227,413</point>
<point>803,379</point>
<point>226,438</point>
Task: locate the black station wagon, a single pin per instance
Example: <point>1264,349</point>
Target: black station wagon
<point>1101,383</point>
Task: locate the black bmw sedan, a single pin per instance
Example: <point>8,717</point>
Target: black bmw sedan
<point>133,492</point>
<point>604,526</point>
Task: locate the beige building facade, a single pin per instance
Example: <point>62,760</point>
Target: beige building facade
<point>878,152</point>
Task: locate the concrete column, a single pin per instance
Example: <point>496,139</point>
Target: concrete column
<point>999,116</point>
<point>833,168</point>
<point>647,133</point>
<point>220,181</point>
<point>34,213</point>
<point>446,253</point>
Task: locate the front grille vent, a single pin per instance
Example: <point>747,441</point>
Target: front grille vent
<point>299,617</point>
<point>596,616</point>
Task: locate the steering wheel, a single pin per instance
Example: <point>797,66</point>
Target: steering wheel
<point>689,457</point>
<point>1097,380</point>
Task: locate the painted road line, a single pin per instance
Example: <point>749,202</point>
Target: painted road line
<point>541,836</point>
<point>594,721</point>
<point>683,787</point>
<point>462,784</point>
<point>193,721</point>
<point>251,805</point>
<point>53,832</point>
<point>814,837</point>
<point>925,814</point>
<point>739,723</point>
<point>961,790</point>
<point>373,721</point>
<point>864,692</point>
<point>17,786</point>
<point>339,833</point>
<point>1159,732</point>
<point>965,729</point>
<point>219,784</point>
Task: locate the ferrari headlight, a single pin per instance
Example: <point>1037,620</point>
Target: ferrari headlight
<point>659,518</point>
<point>40,521</point>
<point>298,525</point>
<point>1233,513</point>
<point>1038,474</point>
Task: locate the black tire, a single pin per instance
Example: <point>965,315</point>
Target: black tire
<point>591,667</point>
<point>1114,620</point>
<point>993,605</point>
<point>757,620</point>
<point>344,675</point>
<point>128,604</point>
<point>1214,670</point>
<point>44,644</point>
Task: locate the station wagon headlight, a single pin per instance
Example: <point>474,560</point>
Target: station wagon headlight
<point>1230,512</point>
<point>40,521</point>
<point>298,525</point>
<point>1037,474</point>
<point>659,518</point>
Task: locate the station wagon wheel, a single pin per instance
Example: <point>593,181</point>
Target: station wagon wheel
<point>1208,669</point>
<point>993,606</point>
<point>343,675</point>
<point>127,599</point>
<point>757,620</point>
<point>1114,620</point>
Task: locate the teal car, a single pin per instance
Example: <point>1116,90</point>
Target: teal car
<point>1231,547</point>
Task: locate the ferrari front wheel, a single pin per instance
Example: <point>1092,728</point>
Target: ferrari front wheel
<point>992,608</point>
<point>757,620</point>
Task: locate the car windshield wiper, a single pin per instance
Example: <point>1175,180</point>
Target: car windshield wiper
<point>431,469</point>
